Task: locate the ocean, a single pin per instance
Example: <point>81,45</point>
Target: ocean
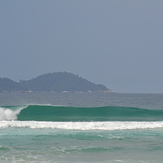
<point>81,128</point>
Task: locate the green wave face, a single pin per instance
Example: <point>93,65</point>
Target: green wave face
<point>107,113</point>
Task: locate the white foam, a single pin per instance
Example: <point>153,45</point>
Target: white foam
<point>83,125</point>
<point>8,114</point>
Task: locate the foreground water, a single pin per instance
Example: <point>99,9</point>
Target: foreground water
<point>64,128</point>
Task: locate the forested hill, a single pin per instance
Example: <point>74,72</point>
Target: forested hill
<point>52,82</point>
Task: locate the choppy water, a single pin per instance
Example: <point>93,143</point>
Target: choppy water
<point>102,128</point>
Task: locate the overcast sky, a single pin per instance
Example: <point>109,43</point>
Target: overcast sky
<point>118,43</point>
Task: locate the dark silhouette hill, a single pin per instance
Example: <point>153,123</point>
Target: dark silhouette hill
<point>8,85</point>
<point>53,82</point>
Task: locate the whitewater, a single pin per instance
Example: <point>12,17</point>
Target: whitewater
<point>8,114</point>
<point>83,125</point>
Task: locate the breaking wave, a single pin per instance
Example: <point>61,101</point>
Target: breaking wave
<point>78,114</point>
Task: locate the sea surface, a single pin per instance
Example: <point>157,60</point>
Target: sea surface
<point>81,128</point>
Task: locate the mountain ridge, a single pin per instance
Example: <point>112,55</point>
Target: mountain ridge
<point>52,82</point>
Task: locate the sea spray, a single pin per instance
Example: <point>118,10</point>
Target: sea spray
<point>8,114</point>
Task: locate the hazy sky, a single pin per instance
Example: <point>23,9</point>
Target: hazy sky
<point>118,43</point>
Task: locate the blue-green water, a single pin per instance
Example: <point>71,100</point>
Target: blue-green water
<point>64,128</point>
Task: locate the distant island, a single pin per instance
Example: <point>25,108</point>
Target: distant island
<point>52,82</point>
